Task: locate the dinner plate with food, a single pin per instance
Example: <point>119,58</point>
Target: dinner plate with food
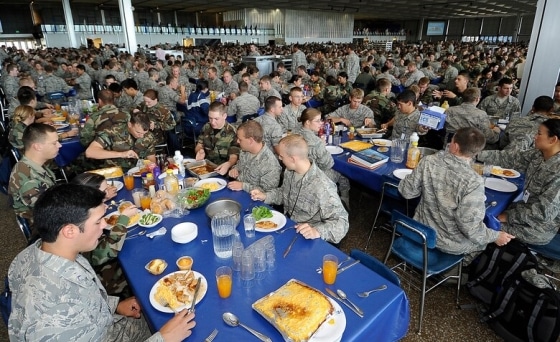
<point>334,149</point>
<point>177,289</point>
<point>506,173</point>
<point>212,184</point>
<point>382,142</point>
<point>270,224</point>
<point>113,217</point>
<point>117,184</point>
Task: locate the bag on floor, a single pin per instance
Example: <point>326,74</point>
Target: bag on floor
<point>496,264</point>
<point>525,309</point>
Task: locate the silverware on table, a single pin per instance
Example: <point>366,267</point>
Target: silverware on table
<point>335,296</point>
<point>491,204</point>
<point>136,235</point>
<point>195,294</point>
<point>343,296</point>
<point>284,229</point>
<point>212,336</point>
<point>290,246</point>
<point>366,294</point>
<point>320,269</point>
<point>340,270</point>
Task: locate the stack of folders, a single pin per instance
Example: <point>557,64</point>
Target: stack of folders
<point>369,158</point>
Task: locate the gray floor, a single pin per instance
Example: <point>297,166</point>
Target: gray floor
<point>442,320</point>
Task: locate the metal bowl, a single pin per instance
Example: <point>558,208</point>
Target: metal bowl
<point>224,205</point>
<point>426,151</point>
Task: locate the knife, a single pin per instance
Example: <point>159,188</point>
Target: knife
<point>340,270</point>
<point>195,294</point>
<point>290,246</point>
<point>334,295</point>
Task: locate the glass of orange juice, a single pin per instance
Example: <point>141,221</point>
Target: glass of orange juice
<point>57,106</point>
<point>128,182</point>
<point>330,266</point>
<point>223,279</point>
<point>145,200</point>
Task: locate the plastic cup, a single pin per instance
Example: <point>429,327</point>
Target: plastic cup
<point>270,256</point>
<point>224,281</point>
<point>330,266</point>
<point>128,182</point>
<point>237,254</point>
<point>247,268</point>
<point>249,224</point>
<point>398,147</point>
<point>337,139</point>
<point>136,196</point>
<point>145,200</point>
<point>259,257</point>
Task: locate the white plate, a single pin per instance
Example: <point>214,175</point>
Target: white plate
<point>133,171</point>
<point>221,182</point>
<point>160,218</point>
<point>60,126</point>
<point>329,332</point>
<point>500,185</point>
<point>382,142</point>
<point>201,293</point>
<point>334,149</point>
<point>117,184</point>
<point>372,136</point>
<point>497,171</point>
<point>277,217</point>
<point>130,225</point>
<point>401,173</point>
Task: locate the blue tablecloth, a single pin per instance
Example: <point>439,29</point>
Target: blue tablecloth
<point>372,179</point>
<point>386,314</point>
<point>70,150</point>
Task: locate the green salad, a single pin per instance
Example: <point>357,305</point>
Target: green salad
<point>261,212</point>
<point>193,198</point>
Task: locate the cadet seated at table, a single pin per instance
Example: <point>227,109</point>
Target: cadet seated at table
<point>452,197</point>
<point>123,144</point>
<point>23,117</point>
<point>308,195</point>
<point>68,299</point>
<point>162,122</point>
<point>355,113</point>
<point>105,117</point>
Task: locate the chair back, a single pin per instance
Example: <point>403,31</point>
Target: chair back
<point>249,117</point>
<point>16,154</point>
<point>376,266</point>
<point>24,227</point>
<point>414,230</point>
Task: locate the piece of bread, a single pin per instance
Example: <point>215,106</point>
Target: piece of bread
<point>296,310</point>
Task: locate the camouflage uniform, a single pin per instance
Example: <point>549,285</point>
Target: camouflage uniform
<point>168,98</point>
<point>15,137</point>
<point>106,117</point>
<point>451,202</point>
<point>216,85</point>
<point>230,88</point>
<point>28,181</point>
<point>556,108</point>
<point>493,107</point>
<point>298,58</point>
<point>261,171</point>
<point>412,78</point>
<point>69,302</point>
<point>117,138</point>
<point>273,132</point>
<point>51,84</point>
<point>394,81</point>
<point>330,96</point>
<point>345,89</point>
<point>352,66</point>
<point>289,117</point>
<point>286,76</point>
<point>11,86</point>
<point>162,118</point>
<point>218,146</point>
<point>242,105</point>
<point>83,86</point>
<point>141,77</point>
<point>128,103</point>
<point>263,95</point>
<point>535,221</point>
<point>449,77</point>
<point>467,115</point>
<point>148,84</point>
<point>405,124</point>
<point>312,199</point>
<point>383,108</point>
<point>356,116</point>
<point>426,97</point>
<point>253,90</point>
<point>520,133</point>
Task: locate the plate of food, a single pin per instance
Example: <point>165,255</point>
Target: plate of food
<point>401,173</point>
<point>267,220</point>
<point>177,289</point>
<point>212,184</point>
<point>192,198</point>
<point>302,313</point>
<point>500,185</point>
<point>117,184</point>
<point>58,119</point>
<point>109,172</point>
<point>506,173</point>
<point>334,149</point>
<point>382,142</point>
<point>149,220</point>
<point>113,218</point>
<point>369,133</point>
<point>356,145</point>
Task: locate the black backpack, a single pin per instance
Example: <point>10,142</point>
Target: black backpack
<point>521,311</point>
<point>496,264</point>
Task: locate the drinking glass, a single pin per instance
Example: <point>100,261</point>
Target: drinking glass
<point>237,254</point>
<point>247,268</point>
<point>397,150</point>
<point>224,280</point>
<point>270,256</point>
<point>330,266</point>
<point>259,256</point>
<point>249,224</point>
<point>487,170</point>
<point>136,196</point>
<point>222,235</point>
<point>336,139</point>
<point>145,200</point>
<point>128,182</point>
<point>478,168</point>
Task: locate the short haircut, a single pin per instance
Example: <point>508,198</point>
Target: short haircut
<point>252,129</point>
<point>295,145</point>
<point>115,87</point>
<point>106,96</point>
<point>343,74</point>
<point>129,83</point>
<point>470,140</point>
<point>308,114</point>
<point>110,77</point>
<point>81,67</point>
<point>270,102</point>
<point>295,90</point>
<point>505,81</point>
<point>64,204</point>
<point>48,69</point>
<point>25,95</point>
<point>471,94</point>
<point>201,85</point>
<point>90,179</point>
<point>295,78</point>
<point>217,107</point>
<point>243,87</point>
<point>543,104</point>
<point>423,81</point>
<point>280,65</point>
<point>383,83</point>
<point>151,94</point>
<point>213,69</point>
<point>266,78</point>
<point>141,119</point>
<point>366,69</point>
<point>357,93</point>
<point>407,96</point>
<point>36,133</point>
<point>331,80</point>
<point>169,79</point>
<point>22,112</point>
<point>553,126</point>
<point>153,72</point>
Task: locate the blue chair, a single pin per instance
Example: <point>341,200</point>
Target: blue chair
<point>23,225</point>
<point>397,89</point>
<point>376,266</point>
<point>549,251</point>
<point>55,97</point>
<point>416,247</point>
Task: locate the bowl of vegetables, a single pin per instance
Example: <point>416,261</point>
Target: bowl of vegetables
<point>191,198</point>
<point>149,220</point>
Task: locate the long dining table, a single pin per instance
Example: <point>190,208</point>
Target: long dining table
<point>386,315</point>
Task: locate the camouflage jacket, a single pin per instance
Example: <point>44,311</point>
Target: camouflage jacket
<point>28,181</point>
<point>356,116</point>
<point>51,84</point>
<point>128,103</point>
<point>263,95</point>
<point>405,124</point>
<point>216,85</point>
<point>520,133</point>
<point>260,171</point>
<point>16,134</point>
<point>535,221</point>
<point>242,105</point>
<point>83,86</point>
<point>107,117</point>
<point>318,153</point>
<point>330,96</point>
<point>289,117</point>
<point>467,115</point>
<point>219,145</point>
<point>162,118</point>
<point>168,98</point>
<point>312,198</point>
<point>451,202</point>
<point>118,138</point>
<point>11,86</point>
<point>383,108</point>
<point>273,132</point>
<point>493,107</point>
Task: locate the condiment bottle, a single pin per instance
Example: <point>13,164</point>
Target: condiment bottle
<point>171,183</point>
<point>413,156</point>
<point>445,104</point>
<point>149,180</point>
<point>351,134</point>
<point>178,159</point>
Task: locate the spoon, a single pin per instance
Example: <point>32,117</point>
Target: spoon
<point>233,321</point>
<point>320,269</point>
<point>366,293</point>
<point>343,296</point>
<point>491,204</point>
<point>136,235</point>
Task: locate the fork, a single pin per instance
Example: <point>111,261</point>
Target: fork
<point>163,302</point>
<point>212,336</point>
<point>367,293</point>
<point>283,230</point>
